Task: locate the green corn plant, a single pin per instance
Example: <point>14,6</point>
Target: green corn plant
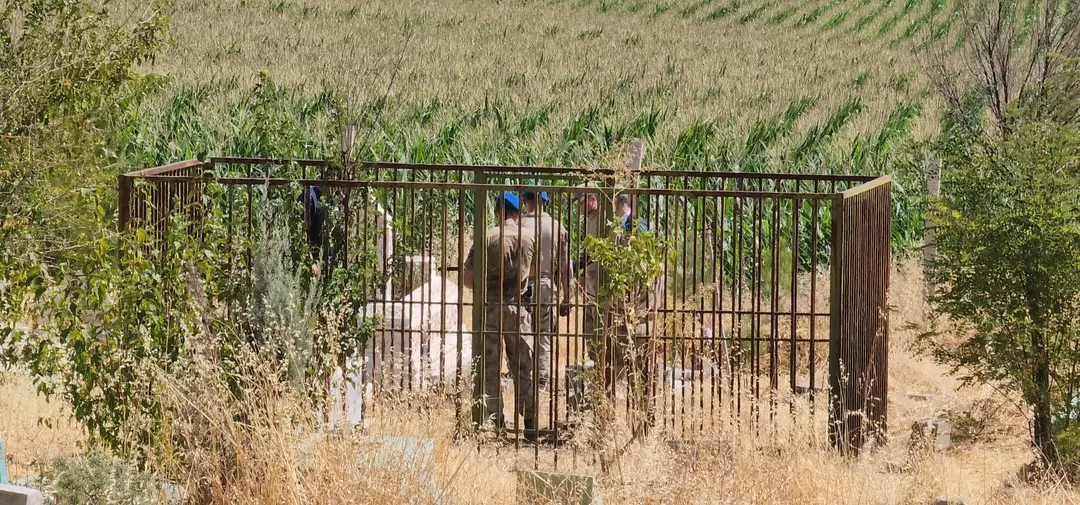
<point>889,24</point>
<point>819,136</point>
<point>921,22</point>
<point>692,9</point>
<point>812,16</point>
<point>870,17</point>
<point>764,134</point>
<point>724,10</point>
<point>754,14</point>
<point>837,20</point>
<point>781,16</point>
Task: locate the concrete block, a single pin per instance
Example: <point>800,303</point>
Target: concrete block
<point>405,455</point>
<point>408,451</point>
<point>542,488</point>
<point>948,501</point>
<point>932,433</point>
<point>377,231</point>
<point>174,494</point>
<point>415,271</point>
<point>696,449</point>
<point>18,495</point>
<point>803,388</point>
<point>685,379</point>
<point>416,347</point>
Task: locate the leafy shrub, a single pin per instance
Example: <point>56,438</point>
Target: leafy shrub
<point>68,86</point>
<point>1068,451</point>
<point>97,480</point>
<point>1008,266</point>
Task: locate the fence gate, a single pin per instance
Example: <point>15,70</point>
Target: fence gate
<point>770,287</point>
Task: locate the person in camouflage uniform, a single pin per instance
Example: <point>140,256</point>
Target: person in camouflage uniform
<point>551,279</point>
<point>507,323</point>
<point>620,352</point>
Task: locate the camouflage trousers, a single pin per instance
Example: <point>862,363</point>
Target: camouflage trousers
<point>507,327</point>
<point>543,309</point>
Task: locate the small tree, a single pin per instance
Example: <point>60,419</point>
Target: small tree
<point>68,84</point>
<point>1008,268</point>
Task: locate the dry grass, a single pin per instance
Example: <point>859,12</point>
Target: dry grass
<point>32,429</point>
<point>274,457</point>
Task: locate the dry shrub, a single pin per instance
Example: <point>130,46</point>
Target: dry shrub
<point>264,443</point>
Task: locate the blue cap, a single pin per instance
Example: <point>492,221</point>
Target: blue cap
<point>531,195</point>
<point>510,199</point>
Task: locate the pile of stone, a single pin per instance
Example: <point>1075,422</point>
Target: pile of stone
<point>421,344</point>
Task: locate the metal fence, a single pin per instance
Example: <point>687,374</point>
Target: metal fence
<point>772,286</point>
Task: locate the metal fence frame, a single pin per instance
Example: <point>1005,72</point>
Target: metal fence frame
<point>860,246</point>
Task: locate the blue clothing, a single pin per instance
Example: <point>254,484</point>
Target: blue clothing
<point>626,225</point>
<point>314,215</point>
<point>314,220</point>
<point>510,199</point>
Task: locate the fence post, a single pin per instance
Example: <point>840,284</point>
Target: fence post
<point>933,190</point>
<point>479,408</point>
<point>124,203</point>
<point>837,394</point>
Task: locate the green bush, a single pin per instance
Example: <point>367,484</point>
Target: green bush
<point>98,480</point>
<point>68,81</point>
<point>1008,267</point>
<point>1068,450</point>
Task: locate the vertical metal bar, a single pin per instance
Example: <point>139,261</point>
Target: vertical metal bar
<point>444,238</point>
<point>774,295</point>
<point>796,208</point>
<point>756,308</point>
<point>479,295</point>
<point>737,283</point>
<point>838,394</point>
<point>461,301</point>
<point>698,284</point>
<point>669,230</point>
<point>346,226</point>
<point>815,232</point>
<point>719,214</point>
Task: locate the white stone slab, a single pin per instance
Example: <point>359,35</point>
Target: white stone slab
<point>416,347</point>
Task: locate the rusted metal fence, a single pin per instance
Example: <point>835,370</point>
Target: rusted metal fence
<point>772,286</point>
<point>858,372</point>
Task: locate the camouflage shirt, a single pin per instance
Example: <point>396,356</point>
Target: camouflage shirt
<point>509,250</point>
